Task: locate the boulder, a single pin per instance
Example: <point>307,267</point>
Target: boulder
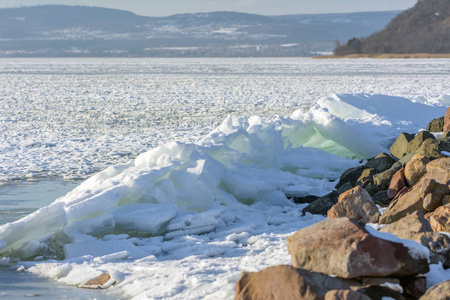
<point>102,281</point>
<point>404,204</point>
<point>376,292</point>
<point>380,163</point>
<point>436,125</point>
<point>440,291</point>
<point>366,176</point>
<point>351,175</point>
<point>381,198</point>
<point>345,295</point>
<point>345,187</point>
<point>383,180</point>
<point>417,228</point>
<point>285,282</point>
<point>439,170</point>
<point>398,182</point>
<point>321,205</point>
<point>446,126</point>
<point>355,204</point>
<point>412,200</point>
<point>440,219</point>
<point>445,136</point>
<point>344,248</point>
<point>414,286</point>
<point>415,169</point>
<point>412,223</point>
<point>432,148</point>
<point>446,200</point>
<point>304,199</point>
<point>432,201</point>
<point>415,143</point>
<point>399,148</point>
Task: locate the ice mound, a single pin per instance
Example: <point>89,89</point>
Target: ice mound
<point>182,189</point>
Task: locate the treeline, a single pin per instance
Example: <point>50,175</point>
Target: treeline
<point>425,28</point>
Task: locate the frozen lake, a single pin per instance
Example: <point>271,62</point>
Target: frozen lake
<point>69,118</point>
<point>62,120</point>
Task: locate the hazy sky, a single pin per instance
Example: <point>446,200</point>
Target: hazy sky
<point>264,7</point>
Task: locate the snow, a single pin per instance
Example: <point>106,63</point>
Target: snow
<point>182,207</point>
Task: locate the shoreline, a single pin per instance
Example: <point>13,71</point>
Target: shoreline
<point>386,55</point>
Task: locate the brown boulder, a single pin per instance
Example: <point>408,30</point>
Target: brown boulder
<point>355,204</point>
<point>440,291</point>
<point>405,203</point>
<point>344,248</point>
<point>397,183</point>
<point>440,219</point>
<point>285,282</point>
<point>415,169</point>
<point>446,126</point>
<point>414,222</point>
<point>439,170</point>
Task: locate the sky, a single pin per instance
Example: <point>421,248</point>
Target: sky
<point>263,7</point>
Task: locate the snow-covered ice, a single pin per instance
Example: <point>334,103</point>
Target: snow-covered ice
<point>199,201</point>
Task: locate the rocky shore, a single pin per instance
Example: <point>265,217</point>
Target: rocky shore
<point>404,196</point>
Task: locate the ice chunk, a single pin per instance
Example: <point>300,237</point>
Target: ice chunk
<point>100,248</point>
<point>144,217</point>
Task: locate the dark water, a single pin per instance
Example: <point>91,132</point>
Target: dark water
<point>17,201</point>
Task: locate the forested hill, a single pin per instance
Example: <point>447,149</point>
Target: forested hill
<point>61,30</point>
<point>425,28</point>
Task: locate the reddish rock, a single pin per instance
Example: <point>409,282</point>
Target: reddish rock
<point>344,248</point>
<point>439,170</point>
<point>397,183</point>
<point>440,219</point>
<point>440,291</point>
<point>99,282</point>
<point>285,282</point>
<point>415,169</point>
<point>446,126</point>
<point>355,204</point>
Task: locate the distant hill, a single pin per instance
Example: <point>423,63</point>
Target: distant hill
<point>425,28</point>
<point>60,30</point>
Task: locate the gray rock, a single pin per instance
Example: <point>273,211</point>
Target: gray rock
<point>321,205</point>
<point>399,148</point>
<point>380,163</point>
<point>351,175</point>
<point>436,125</point>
